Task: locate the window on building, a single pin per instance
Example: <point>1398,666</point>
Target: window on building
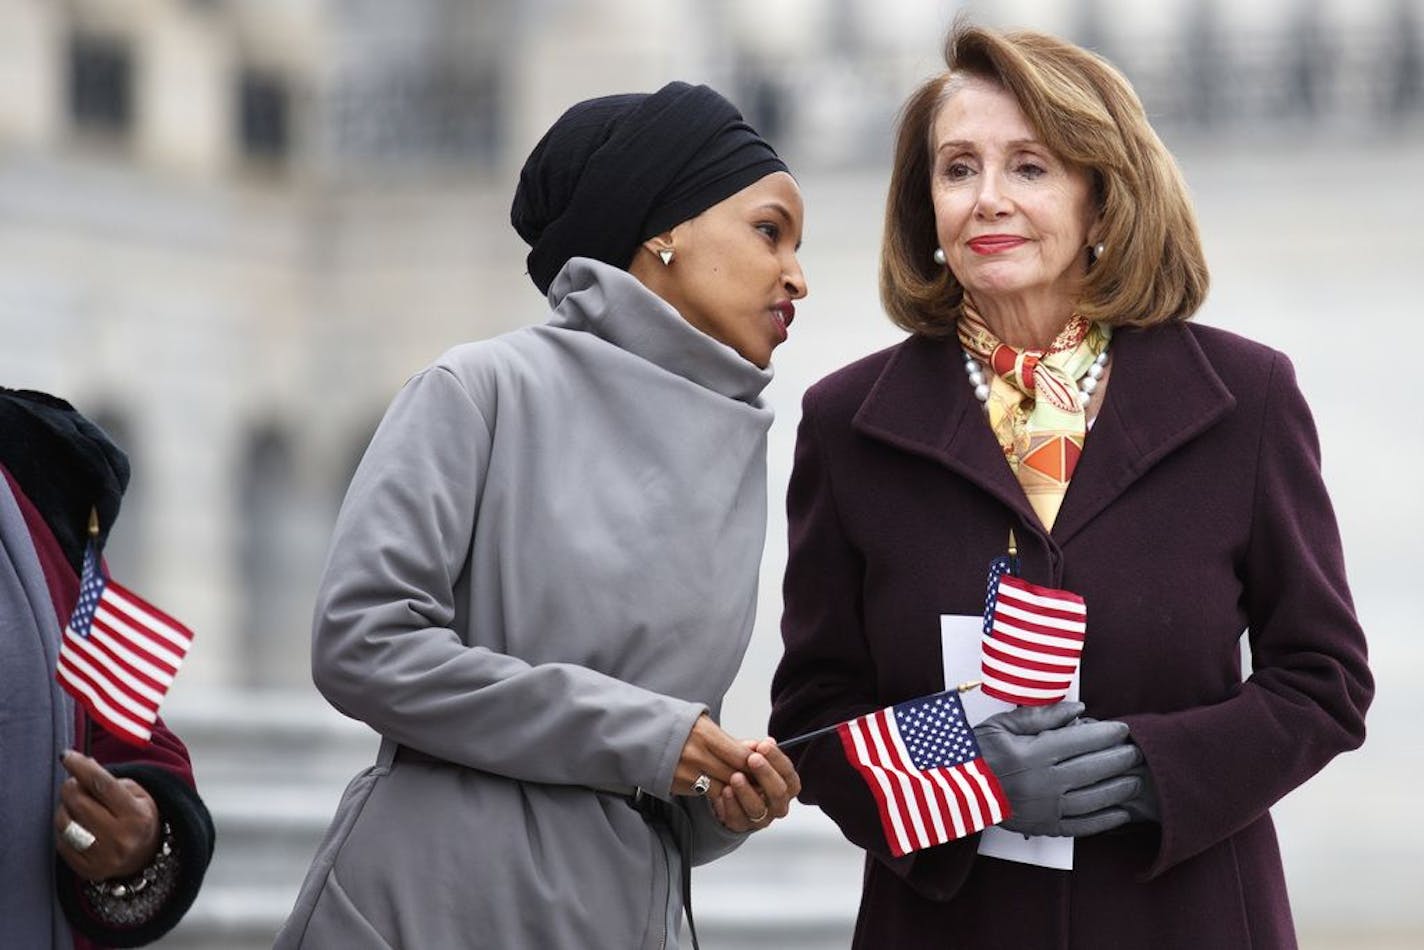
<point>100,83</point>
<point>264,115</point>
<point>417,112</point>
<point>125,547</point>
<point>268,548</point>
<point>1404,63</point>
<point>768,106</point>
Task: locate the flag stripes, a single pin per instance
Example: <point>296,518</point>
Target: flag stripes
<point>119,654</point>
<point>921,763</point>
<point>1033,640</point>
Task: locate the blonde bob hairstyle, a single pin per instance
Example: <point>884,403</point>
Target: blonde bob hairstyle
<point>1086,112</point>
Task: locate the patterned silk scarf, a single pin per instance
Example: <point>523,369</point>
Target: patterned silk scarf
<point>1033,403</point>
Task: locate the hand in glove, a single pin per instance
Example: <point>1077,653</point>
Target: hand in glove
<point>1061,778</point>
<point>1142,806</point>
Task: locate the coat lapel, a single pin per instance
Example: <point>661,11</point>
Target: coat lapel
<point>1163,392</point>
<point>922,404</point>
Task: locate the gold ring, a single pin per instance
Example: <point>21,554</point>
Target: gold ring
<point>759,818</point>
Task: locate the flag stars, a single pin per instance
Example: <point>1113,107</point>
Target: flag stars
<point>935,733</point>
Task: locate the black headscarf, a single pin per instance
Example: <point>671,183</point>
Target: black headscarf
<point>64,464</point>
<point>614,171</point>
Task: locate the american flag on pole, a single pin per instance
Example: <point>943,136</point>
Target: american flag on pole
<point>1033,639</point>
<point>119,654</point>
<point>921,761</point>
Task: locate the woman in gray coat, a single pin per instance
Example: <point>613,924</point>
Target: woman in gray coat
<point>543,578</point>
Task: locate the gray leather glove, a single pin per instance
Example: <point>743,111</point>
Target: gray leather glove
<point>1062,778</point>
<point>1142,806</point>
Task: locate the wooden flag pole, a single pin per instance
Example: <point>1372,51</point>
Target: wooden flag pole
<point>808,736</point>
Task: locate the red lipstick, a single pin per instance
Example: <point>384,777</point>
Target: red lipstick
<point>782,313</point>
<point>995,243</point>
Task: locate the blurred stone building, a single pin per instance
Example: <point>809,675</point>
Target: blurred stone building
<point>230,229</point>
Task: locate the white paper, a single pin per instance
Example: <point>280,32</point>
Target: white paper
<point>959,644</point>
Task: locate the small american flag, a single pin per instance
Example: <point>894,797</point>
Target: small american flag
<point>119,654</point>
<point>921,761</point>
<point>1033,638</point>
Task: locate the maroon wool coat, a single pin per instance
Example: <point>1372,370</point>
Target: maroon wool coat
<point>1196,512</point>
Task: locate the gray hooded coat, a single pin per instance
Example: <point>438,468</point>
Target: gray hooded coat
<point>544,571</point>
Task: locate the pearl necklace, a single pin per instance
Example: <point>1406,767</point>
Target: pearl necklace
<point>1086,385</point>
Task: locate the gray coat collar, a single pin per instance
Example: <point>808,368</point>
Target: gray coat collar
<point>614,305</point>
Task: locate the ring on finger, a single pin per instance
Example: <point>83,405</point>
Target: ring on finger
<point>758,819</point>
<point>77,836</point>
<point>701,784</point>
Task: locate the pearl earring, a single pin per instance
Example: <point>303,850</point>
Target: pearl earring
<point>939,257</point>
<point>666,255</point>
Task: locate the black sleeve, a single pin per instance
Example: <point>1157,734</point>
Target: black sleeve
<point>193,835</point>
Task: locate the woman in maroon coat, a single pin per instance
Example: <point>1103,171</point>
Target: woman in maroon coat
<point>1042,252</point>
